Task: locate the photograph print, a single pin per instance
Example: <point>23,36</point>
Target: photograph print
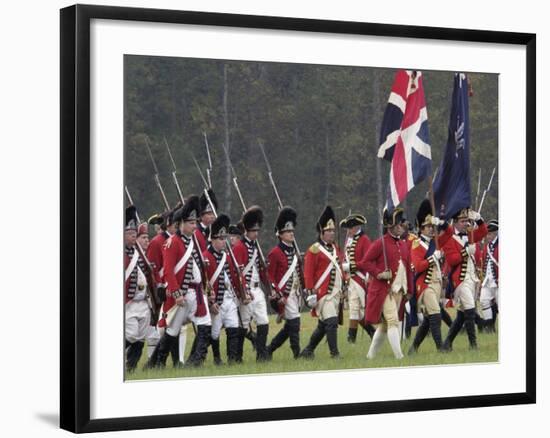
<point>286,217</point>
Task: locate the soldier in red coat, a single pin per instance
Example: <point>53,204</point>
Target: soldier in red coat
<point>459,252</point>
<point>357,244</point>
<point>489,287</point>
<point>284,275</point>
<point>185,299</point>
<point>426,260</point>
<point>137,311</point>
<point>388,263</point>
<point>223,277</point>
<point>247,253</point>
<point>324,280</point>
<point>207,217</point>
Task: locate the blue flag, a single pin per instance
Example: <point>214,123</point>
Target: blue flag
<point>452,183</point>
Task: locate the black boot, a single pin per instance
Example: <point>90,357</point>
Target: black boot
<point>331,326</point>
<point>316,336</point>
<point>153,359</point>
<point>133,355</point>
<point>261,339</point>
<point>445,317</point>
<point>232,344</point>
<point>479,322</point>
<point>453,331</point>
<point>165,346</point>
<point>294,335</point>
<point>352,335</point>
<point>240,344</point>
<point>494,308</point>
<point>421,333</point>
<point>469,323</point>
<point>175,353</point>
<point>368,328</point>
<point>278,340</point>
<point>251,336</point>
<point>216,351</point>
<point>435,328</point>
<point>203,339</point>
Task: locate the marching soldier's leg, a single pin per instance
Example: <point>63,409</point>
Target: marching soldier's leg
<point>294,335</point>
<point>331,325</point>
<point>352,331</point>
<point>251,335</point>
<point>469,323</point>
<point>232,344</point>
<point>203,340</point>
<point>494,308</point>
<point>133,355</point>
<point>421,333</point>
<point>217,322</point>
<point>445,317</point>
<point>316,337</point>
<point>262,325</point>
<point>435,329</point>
<point>279,339</point>
<point>368,328</point>
<point>390,309</point>
<point>453,331</point>
<point>261,339</point>
<point>377,341</point>
<point>216,351</point>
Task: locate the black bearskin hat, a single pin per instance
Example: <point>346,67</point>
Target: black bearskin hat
<point>189,211</point>
<point>286,221</point>
<point>253,218</point>
<point>220,227</point>
<point>327,220</point>
<point>235,230</point>
<point>424,214</point>
<point>205,206</point>
<point>131,222</point>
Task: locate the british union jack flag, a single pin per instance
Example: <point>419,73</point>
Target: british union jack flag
<point>404,136</point>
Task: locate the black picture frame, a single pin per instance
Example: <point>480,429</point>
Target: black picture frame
<point>75,217</point>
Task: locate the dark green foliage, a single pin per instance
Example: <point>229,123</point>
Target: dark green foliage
<point>319,124</point>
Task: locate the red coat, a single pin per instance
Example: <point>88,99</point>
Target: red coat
<point>484,258</point>
<point>241,255</point>
<point>315,264</point>
<point>373,263</point>
<point>456,256</point>
<point>155,255</point>
<point>174,250</point>
<point>357,251</point>
<point>211,267</point>
<point>127,296</point>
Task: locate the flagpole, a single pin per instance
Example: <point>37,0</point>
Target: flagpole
<point>432,202</point>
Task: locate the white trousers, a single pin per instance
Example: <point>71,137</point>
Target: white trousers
<point>465,293</point>
<point>186,313</point>
<point>227,316</point>
<point>137,320</point>
<point>256,309</point>
<point>356,300</point>
<point>488,294</point>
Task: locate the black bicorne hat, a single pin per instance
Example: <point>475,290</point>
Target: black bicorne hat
<point>234,230</point>
<point>353,220</point>
<point>395,217</point>
<point>286,221</point>
<point>131,222</point>
<point>461,214</point>
<point>253,218</point>
<point>189,211</point>
<point>424,214</point>
<point>220,227</point>
<point>327,220</point>
<point>492,225</point>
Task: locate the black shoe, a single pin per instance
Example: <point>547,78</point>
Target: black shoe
<point>166,344</point>
<point>352,335</point>
<point>316,337</point>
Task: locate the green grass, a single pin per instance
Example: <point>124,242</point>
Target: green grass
<point>353,356</point>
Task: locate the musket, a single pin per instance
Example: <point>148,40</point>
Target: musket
<point>202,266</point>
<point>486,190</point>
<point>478,186</point>
<point>157,179</point>
<point>155,302</point>
<point>294,243</point>
<point>174,176</point>
<point>209,168</point>
<point>260,253</point>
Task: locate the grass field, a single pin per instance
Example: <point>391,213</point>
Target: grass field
<point>353,356</point>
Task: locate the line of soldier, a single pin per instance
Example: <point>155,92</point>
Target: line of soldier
<point>207,273</point>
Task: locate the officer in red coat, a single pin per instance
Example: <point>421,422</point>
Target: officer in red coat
<point>247,253</point>
<point>137,311</point>
<point>489,287</point>
<point>223,277</point>
<point>357,244</point>
<point>283,273</point>
<point>388,263</point>
<point>184,296</point>
<point>207,217</point>
<point>459,252</point>
<point>426,260</point>
<point>324,280</point>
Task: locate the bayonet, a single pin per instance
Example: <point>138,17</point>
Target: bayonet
<point>209,168</point>
<point>174,176</point>
<point>156,177</point>
<point>487,189</point>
